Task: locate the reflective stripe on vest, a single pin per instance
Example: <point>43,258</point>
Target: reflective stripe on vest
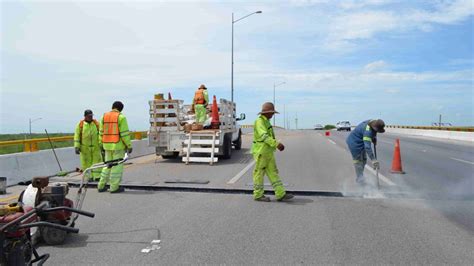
<point>111,128</point>
<point>199,97</point>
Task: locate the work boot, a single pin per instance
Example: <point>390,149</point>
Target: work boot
<point>100,190</point>
<point>287,197</point>
<point>119,190</point>
<point>263,198</point>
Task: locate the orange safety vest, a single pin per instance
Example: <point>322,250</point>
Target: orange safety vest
<point>199,97</point>
<point>111,128</point>
<point>81,126</point>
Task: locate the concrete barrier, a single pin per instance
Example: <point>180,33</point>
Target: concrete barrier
<point>441,134</point>
<point>21,167</point>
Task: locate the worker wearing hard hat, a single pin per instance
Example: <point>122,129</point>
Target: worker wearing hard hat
<point>263,148</point>
<point>115,140</point>
<point>360,144</point>
<point>200,102</point>
<point>86,143</point>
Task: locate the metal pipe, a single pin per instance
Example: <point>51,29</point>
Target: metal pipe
<point>232,53</point>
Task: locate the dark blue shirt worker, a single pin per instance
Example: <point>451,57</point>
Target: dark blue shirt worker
<point>360,144</point>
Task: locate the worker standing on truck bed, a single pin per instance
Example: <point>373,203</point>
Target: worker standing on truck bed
<point>360,144</point>
<point>115,140</point>
<point>200,102</point>
<point>86,143</point>
<point>263,148</point>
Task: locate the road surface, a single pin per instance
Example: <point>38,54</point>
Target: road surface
<point>401,224</point>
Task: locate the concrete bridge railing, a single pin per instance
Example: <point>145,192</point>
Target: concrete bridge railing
<point>23,166</point>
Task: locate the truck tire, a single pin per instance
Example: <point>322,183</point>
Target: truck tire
<point>227,147</point>
<point>238,142</point>
<point>53,236</point>
<point>174,155</point>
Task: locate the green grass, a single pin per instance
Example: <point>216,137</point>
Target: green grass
<point>41,146</point>
<point>329,127</point>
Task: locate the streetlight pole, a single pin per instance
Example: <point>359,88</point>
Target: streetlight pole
<point>274,100</point>
<point>31,121</point>
<point>232,53</point>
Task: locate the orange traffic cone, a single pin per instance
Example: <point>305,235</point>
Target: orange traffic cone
<point>397,159</point>
<point>215,123</point>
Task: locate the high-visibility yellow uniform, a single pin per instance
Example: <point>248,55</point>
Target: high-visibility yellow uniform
<point>263,149</point>
<point>115,139</point>
<point>200,102</point>
<point>86,138</point>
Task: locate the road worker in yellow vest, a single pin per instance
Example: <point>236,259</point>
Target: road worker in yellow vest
<point>200,102</point>
<point>263,149</point>
<point>86,143</point>
<point>115,140</point>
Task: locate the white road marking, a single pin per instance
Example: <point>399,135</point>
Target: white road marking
<point>382,177</point>
<point>332,141</point>
<point>241,173</point>
<point>383,141</point>
<point>462,160</point>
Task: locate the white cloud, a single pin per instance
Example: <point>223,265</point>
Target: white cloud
<point>352,26</point>
<point>353,4</point>
<point>375,66</point>
<point>392,91</point>
<point>348,80</point>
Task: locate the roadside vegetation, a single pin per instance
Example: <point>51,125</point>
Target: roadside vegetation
<point>329,127</point>
<point>41,146</point>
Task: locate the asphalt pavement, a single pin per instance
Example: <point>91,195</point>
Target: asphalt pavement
<point>433,167</point>
<point>393,225</point>
<point>204,228</point>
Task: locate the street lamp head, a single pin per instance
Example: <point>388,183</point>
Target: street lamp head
<point>258,12</point>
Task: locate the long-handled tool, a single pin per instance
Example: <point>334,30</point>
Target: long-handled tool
<point>61,172</point>
<point>377,170</point>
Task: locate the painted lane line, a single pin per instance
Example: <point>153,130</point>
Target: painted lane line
<point>382,177</point>
<point>241,173</point>
<point>332,141</point>
<point>383,141</point>
<point>456,159</point>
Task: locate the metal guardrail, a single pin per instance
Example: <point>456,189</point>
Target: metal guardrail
<point>31,145</point>
<point>462,129</point>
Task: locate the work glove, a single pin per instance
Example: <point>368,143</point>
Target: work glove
<point>280,147</point>
<point>78,150</point>
<point>376,164</point>
<point>129,150</point>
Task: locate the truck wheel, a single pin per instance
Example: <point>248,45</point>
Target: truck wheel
<point>227,152</point>
<point>174,155</point>
<point>53,236</point>
<point>238,142</point>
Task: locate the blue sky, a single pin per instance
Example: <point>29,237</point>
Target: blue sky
<point>403,61</point>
